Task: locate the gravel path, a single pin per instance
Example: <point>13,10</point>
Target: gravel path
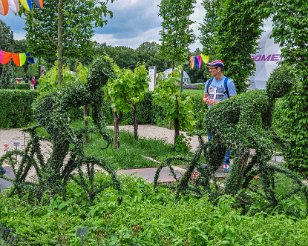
<point>11,136</point>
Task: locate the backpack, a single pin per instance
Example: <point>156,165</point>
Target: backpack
<point>225,86</point>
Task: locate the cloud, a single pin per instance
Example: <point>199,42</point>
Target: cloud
<point>131,18</point>
<point>134,22</point>
<point>151,35</point>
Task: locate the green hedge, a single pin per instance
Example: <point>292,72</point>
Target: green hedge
<point>15,107</point>
<point>148,113</point>
<point>22,86</point>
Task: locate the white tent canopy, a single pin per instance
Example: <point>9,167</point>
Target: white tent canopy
<point>266,59</point>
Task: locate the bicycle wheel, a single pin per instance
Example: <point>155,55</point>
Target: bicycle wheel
<point>20,164</point>
<point>275,187</point>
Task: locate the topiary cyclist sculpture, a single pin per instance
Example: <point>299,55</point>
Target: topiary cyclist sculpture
<point>67,155</point>
<point>243,123</point>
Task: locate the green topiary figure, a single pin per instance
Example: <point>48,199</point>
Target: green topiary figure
<point>243,123</point>
<point>67,153</point>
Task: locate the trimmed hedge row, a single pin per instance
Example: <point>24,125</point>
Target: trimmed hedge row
<point>15,110</point>
<point>15,107</point>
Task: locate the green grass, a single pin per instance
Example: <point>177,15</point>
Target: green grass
<point>193,92</point>
<point>131,154</point>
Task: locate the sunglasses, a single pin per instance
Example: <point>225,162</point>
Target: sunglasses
<point>212,68</point>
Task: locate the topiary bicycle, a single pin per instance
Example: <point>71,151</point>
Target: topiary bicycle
<point>241,123</point>
<point>67,155</point>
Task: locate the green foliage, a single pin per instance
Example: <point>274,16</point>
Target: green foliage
<point>167,96</point>
<point>79,19</point>
<point>49,81</point>
<point>176,34</point>
<point>232,33</point>
<point>67,155</point>
<point>22,86</point>
<point>280,82</point>
<point>132,154</point>
<point>290,121</point>
<point>290,32</point>
<point>149,54</point>
<point>15,107</point>
<point>146,218</point>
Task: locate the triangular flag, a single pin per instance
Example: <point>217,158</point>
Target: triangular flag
<point>192,62</point>
<point>199,60</point>
<point>38,3</point>
<point>29,58</point>
<point>6,57</point>
<point>27,4</point>
<point>205,58</point>
<point>196,61</point>
<point>16,60</point>
<point>4,7</point>
<point>22,58</point>
<point>14,5</point>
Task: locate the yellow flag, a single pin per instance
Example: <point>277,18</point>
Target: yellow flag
<point>205,58</point>
<point>22,58</point>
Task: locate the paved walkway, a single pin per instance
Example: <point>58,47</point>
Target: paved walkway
<point>14,137</point>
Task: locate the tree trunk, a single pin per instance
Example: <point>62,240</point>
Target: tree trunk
<point>176,122</point>
<point>86,122</point>
<point>116,122</point>
<point>60,47</point>
<point>182,80</point>
<point>135,120</point>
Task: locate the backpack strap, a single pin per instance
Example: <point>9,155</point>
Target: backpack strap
<point>208,85</point>
<point>225,86</point>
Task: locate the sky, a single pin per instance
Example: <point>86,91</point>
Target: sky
<point>133,22</point>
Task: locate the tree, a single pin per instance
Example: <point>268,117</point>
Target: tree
<point>148,53</point>
<point>67,28</point>
<point>208,27</point>
<point>125,92</point>
<point>175,106</point>
<point>290,31</point>
<point>6,44</point>
<point>123,56</point>
<point>236,28</point>
<point>176,34</point>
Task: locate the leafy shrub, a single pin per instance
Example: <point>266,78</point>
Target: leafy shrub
<point>149,113</point>
<point>15,107</point>
<point>290,117</point>
<point>22,86</point>
<point>146,218</point>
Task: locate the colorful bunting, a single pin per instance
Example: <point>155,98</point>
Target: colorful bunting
<point>196,61</point>
<point>5,5</point>
<point>18,58</point>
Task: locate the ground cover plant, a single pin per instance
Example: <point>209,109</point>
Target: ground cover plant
<point>146,217</point>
